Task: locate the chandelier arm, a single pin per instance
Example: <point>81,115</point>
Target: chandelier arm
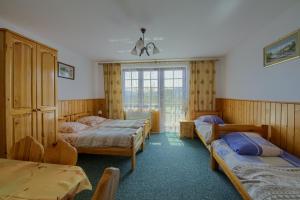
<point>146,49</point>
<point>150,43</point>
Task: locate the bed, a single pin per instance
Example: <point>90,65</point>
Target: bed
<point>256,177</point>
<point>205,130</point>
<point>128,123</point>
<point>111,137</point>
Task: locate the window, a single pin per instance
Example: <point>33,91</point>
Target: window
<point>173,101</point>
<point>131,87</point>
<point>150,89</point>
<point>161,88</point>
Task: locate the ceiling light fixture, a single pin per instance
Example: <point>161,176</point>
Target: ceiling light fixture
<point>140,48</point>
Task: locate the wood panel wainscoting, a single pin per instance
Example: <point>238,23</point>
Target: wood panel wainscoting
<point>284,118</point>
<point>78,106</point>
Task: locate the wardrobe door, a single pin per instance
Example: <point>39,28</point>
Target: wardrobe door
<point>20,89</point>
<point>46,94</point>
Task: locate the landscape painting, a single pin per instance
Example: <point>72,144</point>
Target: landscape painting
<point>66,71</point>
<point>282,50</point>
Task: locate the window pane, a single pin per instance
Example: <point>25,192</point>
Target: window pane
<point>135,75</point>
<point>154,83</point>
<point>127,83</point>
<point>147,75</point>
<point>168,83</point>
<point>146,95</point>
<point>127,75</point>
<point>135,83</point>
<point>134,96</point>
<point>178,74</point>
<point>154,75</point>
<point>177,82</point>
<point>168,74</point>
<point>146,83</point>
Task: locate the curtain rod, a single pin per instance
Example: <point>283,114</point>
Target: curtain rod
<point>157,60</point>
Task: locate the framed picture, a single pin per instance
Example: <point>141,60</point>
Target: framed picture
<point>66,71</point>
<point>284,49</point>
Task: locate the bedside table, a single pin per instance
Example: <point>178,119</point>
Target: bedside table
<point>187,128</point>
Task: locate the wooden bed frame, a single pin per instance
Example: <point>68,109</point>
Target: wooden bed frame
<point>137,142</point>
<point>216,160</point>
<point>202,113</point>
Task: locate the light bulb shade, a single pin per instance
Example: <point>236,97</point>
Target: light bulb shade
<point>134,51</point>
<point>139,44</point>
<point>155,50</point>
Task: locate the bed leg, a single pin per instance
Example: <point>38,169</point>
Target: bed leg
<point>133,161</point>
<point>213,162</point>
<point>143,145</point>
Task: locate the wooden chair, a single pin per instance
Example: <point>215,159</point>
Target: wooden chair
<point>27,149</point>
<point>108,185</point>
<point>61,152</point>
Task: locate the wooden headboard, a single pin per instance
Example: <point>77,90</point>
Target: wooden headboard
<point>73,117</point>
<point>79,106</point>
<point>201,113</point>
<point>263,130</point>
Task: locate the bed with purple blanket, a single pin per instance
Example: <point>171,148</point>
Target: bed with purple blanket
<point>257,168</point>
<point>204,126</point>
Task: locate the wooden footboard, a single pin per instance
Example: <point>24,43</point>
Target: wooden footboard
<point>137,142</point>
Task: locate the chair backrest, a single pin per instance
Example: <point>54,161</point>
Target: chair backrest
<point>61,152</point>
<point>108,185</point>
<point>27,149</point>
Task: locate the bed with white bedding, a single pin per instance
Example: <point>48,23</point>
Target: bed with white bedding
<point>232,159</point>
<point>257,177</point>
<point>104,136</point>
<point>100,136</point>
<point>204,126</point>
<point>116,123</point>
<point>263,178</point>
<point>205,131</point>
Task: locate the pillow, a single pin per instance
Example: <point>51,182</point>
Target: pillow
<point>91,120</point>
<point>246,143</point>
<point>71,127</point>
<point>211,119</point>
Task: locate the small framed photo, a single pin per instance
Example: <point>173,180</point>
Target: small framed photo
<point>284,49</point>
<point>66,71</point>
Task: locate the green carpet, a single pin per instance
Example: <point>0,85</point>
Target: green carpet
<point>169,168</point>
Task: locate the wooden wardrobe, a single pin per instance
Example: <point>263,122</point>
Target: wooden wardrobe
<point>28,87</point>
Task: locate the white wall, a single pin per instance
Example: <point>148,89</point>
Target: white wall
<point>219,67</point>
<point>244,76</point>
<point>88,75</point>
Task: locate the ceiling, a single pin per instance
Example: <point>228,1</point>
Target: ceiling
<point>108,29</point>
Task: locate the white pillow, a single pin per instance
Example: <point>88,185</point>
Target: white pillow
<point>71,127</point>
<point>91,120</point>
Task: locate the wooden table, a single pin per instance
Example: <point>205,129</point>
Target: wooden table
<point>31,180</point>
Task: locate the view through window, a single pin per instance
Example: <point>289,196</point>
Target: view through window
<point>159,88</point>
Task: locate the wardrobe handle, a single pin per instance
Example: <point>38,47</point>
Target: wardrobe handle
<point>34,110</point>
<point>39,109</point>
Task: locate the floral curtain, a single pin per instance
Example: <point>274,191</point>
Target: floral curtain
<point>201,87</point>
<point>113,91</point>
